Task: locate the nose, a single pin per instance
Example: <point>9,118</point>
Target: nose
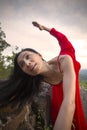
<point>28,63</point>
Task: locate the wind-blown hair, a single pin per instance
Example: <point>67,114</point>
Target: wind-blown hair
<point>19,87</point>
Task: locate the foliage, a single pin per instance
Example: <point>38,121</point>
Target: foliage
<point>41,124</point>
<point>3,43</point>
<point>83,83</point>
<point>83,75</point>
<point>6,62</point>
<point>6,65</point>
<point>83,78</point>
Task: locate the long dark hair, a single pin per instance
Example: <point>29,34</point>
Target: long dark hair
<point>19,87</point>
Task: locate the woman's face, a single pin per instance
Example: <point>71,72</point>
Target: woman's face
<point>30,62</point>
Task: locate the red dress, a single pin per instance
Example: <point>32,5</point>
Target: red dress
<point>79,121</point>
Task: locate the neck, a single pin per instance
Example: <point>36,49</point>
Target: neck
<point>51,73</point>
<point>47,71</point>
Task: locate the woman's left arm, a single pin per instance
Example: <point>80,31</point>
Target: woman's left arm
<point>65,116</point>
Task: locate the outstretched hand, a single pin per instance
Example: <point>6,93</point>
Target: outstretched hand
<point>38,25</point>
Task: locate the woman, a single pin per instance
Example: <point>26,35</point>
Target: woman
<point>61,72</point>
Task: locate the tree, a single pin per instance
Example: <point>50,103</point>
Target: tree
<point>3,43</point>
<point>6,62</point>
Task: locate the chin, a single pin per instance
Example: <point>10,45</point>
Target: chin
<point>34,74</point>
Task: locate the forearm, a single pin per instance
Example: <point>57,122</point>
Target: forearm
<point>63,41</point>
<point>65,116</point>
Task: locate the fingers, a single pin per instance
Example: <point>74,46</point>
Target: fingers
<point>38,25</point>
<point>35,23</point>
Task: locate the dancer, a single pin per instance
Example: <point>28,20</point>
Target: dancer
<point>61,72</point>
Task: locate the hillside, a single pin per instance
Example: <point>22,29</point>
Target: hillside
<point>83,75</point>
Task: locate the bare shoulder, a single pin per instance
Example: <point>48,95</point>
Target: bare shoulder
<point>66,62</point>
<point>65,58</point>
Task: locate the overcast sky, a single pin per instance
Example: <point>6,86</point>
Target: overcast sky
<point>67,16</point>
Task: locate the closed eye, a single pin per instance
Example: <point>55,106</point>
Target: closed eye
<point>27,57</point>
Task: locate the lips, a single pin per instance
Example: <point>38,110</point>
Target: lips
<point>32,67</point>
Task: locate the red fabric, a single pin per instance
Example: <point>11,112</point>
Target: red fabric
<point>57,90</point>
